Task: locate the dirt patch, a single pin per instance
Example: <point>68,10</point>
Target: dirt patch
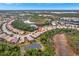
<point>62,47</point>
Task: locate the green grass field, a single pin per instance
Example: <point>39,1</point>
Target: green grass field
<point>38,19</point>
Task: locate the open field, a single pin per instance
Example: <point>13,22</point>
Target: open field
<point>62,47</point>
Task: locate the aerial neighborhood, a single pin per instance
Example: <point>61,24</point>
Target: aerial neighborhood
<point>39,32</point>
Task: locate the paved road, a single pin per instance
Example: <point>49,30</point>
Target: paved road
<point>5,29</point>
<point>61,46</point>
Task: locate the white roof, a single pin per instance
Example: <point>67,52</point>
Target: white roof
<point>27,21</point>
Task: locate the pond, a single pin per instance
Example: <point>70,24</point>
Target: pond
<point>34,45</point>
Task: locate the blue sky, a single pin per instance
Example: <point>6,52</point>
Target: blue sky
<point>39,6</point>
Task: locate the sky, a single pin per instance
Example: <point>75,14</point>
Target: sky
<point>39,6</point>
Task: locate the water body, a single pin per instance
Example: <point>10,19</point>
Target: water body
<point>34,45</point>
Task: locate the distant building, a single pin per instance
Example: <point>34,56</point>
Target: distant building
<point>70,20</point>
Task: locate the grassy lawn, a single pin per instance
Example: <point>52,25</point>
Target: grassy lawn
<point>38,19</point>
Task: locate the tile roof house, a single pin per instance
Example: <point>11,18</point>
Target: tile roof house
<point>29,37</point>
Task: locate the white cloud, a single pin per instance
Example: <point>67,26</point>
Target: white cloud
<point>9,3</point>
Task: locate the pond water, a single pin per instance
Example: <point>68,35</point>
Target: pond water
<point>34,45</point>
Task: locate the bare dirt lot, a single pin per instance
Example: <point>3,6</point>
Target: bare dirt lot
<point>62,47</point>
